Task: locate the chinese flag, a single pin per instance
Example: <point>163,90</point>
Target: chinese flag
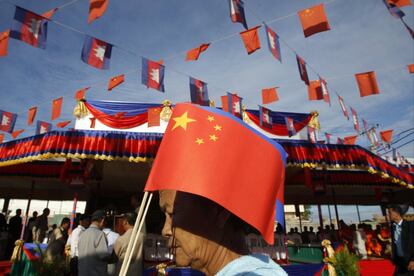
<point>251,40</point>
<point>367,83</point>
<point>1,138</point>
<point>80,94</point>
<point>193,54</point>
<point>32,115</point>
<point>201,153</point>
<point>225,103</point>
<point>386,135</point>
<point>411,68</point>
<point>96,9</point>
<point>63,124</point>
<point>350,140</point>
<point>400,3</point>
<point>4,41</point>
<point>314,20</point>
<point>315,91</point>
<point>56,108</point>
<point>269,95</point>
<point>16,133</point>
<point>115,81</point>
<point>49,13</point>
<point>154,116</point>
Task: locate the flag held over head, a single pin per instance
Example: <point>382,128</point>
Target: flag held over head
<point>290,125</point>
<point>43,127</point>
<point>386,135</point>
<point>56,108</point>
<point>314,20</point>
<point>80,94</point>
<point>29,27</point>
<point>31,116</point>
<point>63,124</point>
<point>302,69</point>
<point>199,92</point>
<point>315,91</point>
<point>7,121</point>
<point>194,53</point>
<point>350,140</point>
<point>154,118</point>
<point>4,42</point>
<point>265,117</point>
<point>269,95</point>
<point>115,81</point>
<point>234,105</point>
<point>355,119</point>
<point>273,43</point>
<point>237,12</point>
<point>96,9</point>
<point>343,107</point>
<point>152,74</point>
<point>96,53</point>
<point>367,83</point>
<point>204,139</point>
<point>251,39</point>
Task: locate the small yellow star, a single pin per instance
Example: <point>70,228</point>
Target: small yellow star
<point>217,127</point>
<point>213,137</point>
<point>199,141</point>
<point>182,121</point>
<point>210,118</point>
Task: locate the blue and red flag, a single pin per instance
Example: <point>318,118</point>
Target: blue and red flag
<point>394,10</point>
<point>273,43</point>
<point>29,27</point>
<point>343,107</point>
<point>237,12</point>
<point>325,92</point>
<point>198,154</point>
<point>235,106</point>
<point>265,117</point>
<point>96,53</point>
<point>152,74</point>
<point>199,92</point>
<point>355,119</point>
<point>7,121</point>
<point>43,127</point>
<point>302,69</point>
<point>290,125</point>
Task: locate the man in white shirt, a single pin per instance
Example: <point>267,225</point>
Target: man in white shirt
<point>111,236</point>
<point>73,240</point>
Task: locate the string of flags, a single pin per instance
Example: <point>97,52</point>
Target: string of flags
<point>32,29</point>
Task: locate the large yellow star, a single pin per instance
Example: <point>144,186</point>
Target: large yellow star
<point>213,137</point>
<point>210,118</point>
<point>182,121</point>
<point>217,127</point>
<point>199,141</point>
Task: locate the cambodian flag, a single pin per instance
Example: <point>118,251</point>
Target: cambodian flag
<point>290,126</point>
<point>7,121</point>
<point>199,92</point>
<point>394,10</point>
<point>96,53</point>
<point>29,27</point>
<point>265,117</point>
<point>235,105</point>
<point>43,127</point>
<point>355,119</point>
<point>273,43</point>
<point>152,74</point>
<point>237,12</point>
<point>302,69</point>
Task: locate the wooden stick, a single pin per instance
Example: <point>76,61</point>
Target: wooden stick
<point>134,230</point>
<point>135,237</point>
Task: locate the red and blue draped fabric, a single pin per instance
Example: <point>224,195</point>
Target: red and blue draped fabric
<point>199,92</point>
<point>96,53</point>
<point>106,145</point>
<point>152,74</point>
<point>273,43</point>
<point>237,12</point>
<point>7,121</point>
<point>118,114</point>
<point>300,120</point>
<point>29,27</point>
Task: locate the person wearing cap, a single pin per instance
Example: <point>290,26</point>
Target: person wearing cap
<point>209,238</point>
<point>121,244</point>
<point>93,255</point>
<point>73,240</point>
<point>402,234</point>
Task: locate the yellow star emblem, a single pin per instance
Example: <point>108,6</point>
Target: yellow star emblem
<point>199,141</point>
<point>213,137</point>
<point>182,121</point>
<point>210,118</point>
<point>217,127</point>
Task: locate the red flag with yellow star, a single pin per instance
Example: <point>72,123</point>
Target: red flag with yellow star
<point>314,20</point>
<point>202,153</point>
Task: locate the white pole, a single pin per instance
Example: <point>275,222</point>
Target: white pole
<point>129,248</point>
<point>127,259</point>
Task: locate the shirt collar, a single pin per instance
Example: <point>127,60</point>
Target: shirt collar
<point>400,223</point>
<point>81,227</point>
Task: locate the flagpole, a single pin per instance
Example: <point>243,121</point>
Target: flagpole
<point>137,221</point>
<point>127,259</point>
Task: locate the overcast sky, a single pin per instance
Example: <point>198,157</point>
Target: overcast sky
<point>363,37</point>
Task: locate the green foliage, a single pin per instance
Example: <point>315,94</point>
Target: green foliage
<point>345,263</point>
<point>307,213</point>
